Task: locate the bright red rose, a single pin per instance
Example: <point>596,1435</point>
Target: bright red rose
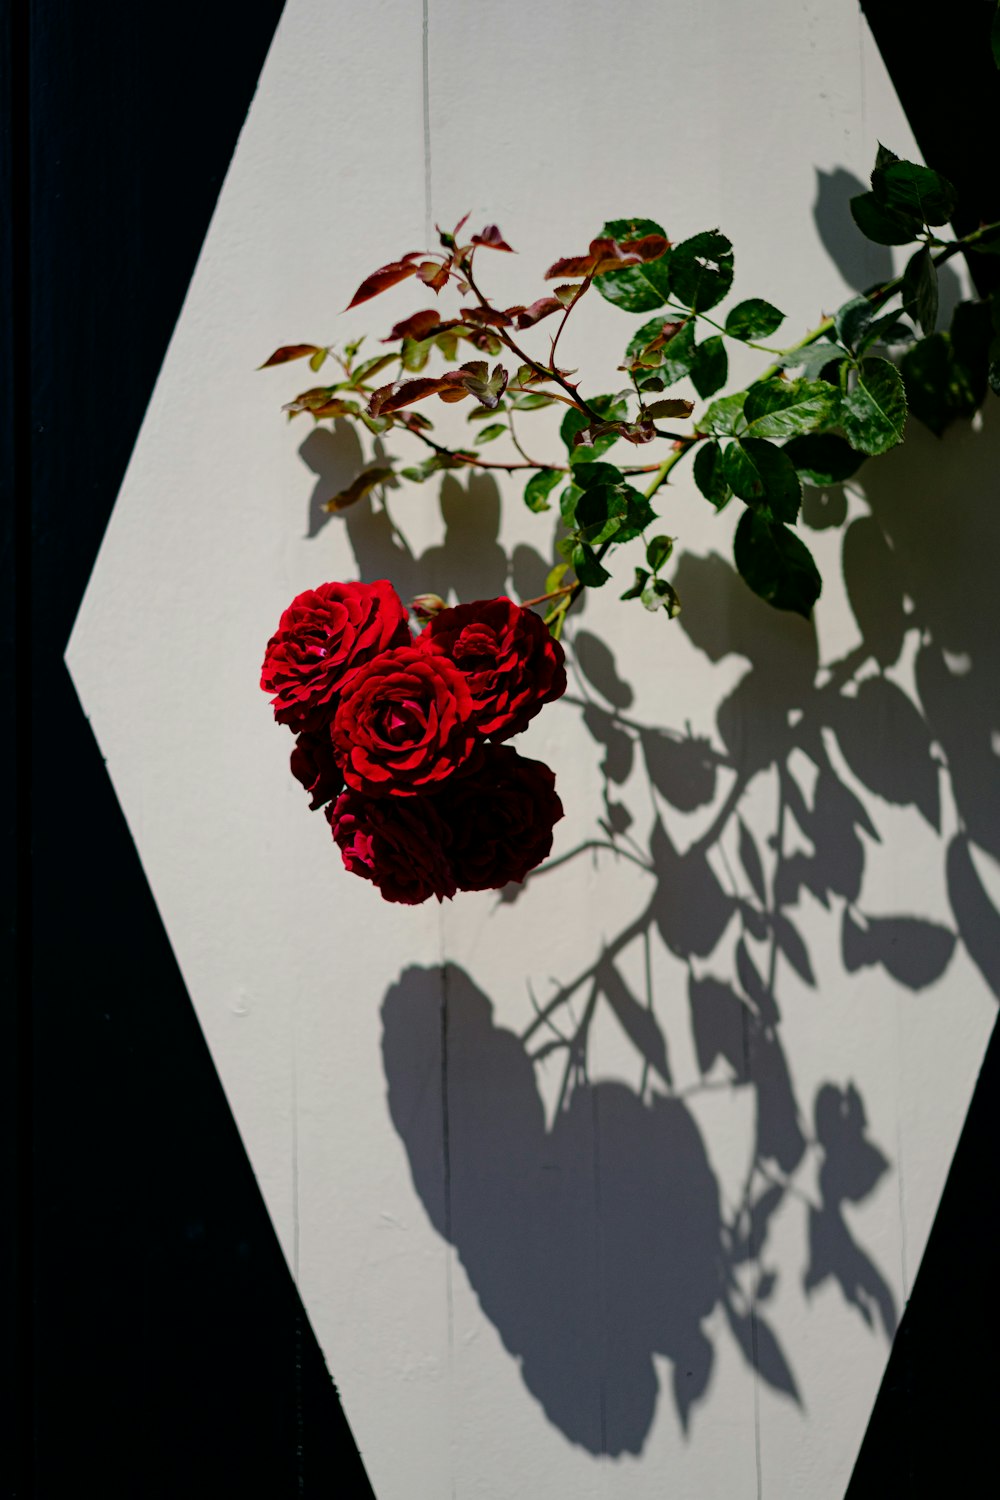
<point>313,764</point>
<point>403,725</point>
<point>322,639</point>
<point>507,656</point>
<point>501,818</point>
<point>397,845</point>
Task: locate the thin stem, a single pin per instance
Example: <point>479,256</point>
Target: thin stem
<point>457,456</point>
<point>569,308</point>
<point>544,598</point>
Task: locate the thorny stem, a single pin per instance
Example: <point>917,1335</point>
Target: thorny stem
<point>526,359</point>
<point>457,456</point>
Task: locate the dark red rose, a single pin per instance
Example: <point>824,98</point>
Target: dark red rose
<point>398,845</point>
<point>322,639</point>
<point>501,818</point>
<point>403,725</point>
<point>507,656</point>
<point>314,765</point>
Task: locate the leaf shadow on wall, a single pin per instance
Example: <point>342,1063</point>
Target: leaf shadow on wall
<point>603,1240</point>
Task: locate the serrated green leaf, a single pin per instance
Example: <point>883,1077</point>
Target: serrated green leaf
<point>659,594</point>
<point>638,514</point>
<point>565,546</point>
<point>710,367</point>
<point>813,359</point>
<point>920,289</point>
<point>636,289</point>
<point>531,400</point>
<point>764,476</point>
<point>491,431</point>
<point>709,474</point>
<point>823,458</point>
<point>701,270</point>
<point>851,320</point>
<point>904,187</point>
<point>588,474</point>
<point>886,330</point>
<point>635,591</point>
<point>753,319</point>
<point>676,356</point>
<point>873,415</point>
<point>659,551</point>
<point>881,225</point>
<point>776,564</point>
<point>587,567</point>
<point>784,408</point>
<point>539,487</point>
<point>600,512</point>
<point>567,504</point>
<point>725,417</point>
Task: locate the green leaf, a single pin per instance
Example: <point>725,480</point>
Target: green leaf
<point>873,415</point>
<point>635,590</point>
<point>491,431</point>
<point>710,369</point>
<point>822,458</point>
<point>638,514</point>
<point>709,474</point>
<point>764,476</point>
<point>814,359</point>
<point>753,319</point>
<point>566,545</point>
<point>701,270</point>
<point>920,289</point>
<point>784,408</point>
<point>881,224</point>
<point>611,408</point>
<point>947,374</point>
<point>886,330</point>
<point>589,474</point>
<point>587,568</point>
<point>538,488</point>
<point>658,551</point>
<point>903,187</point>
<point>567,504</point>
<point>852,319</point>
<point>675,357</point>
<point>600,512</point>
<point>776,564</point>
<point>637,288</point>
<point>659,594</point>
<point>725,417</point>
<point>555,578</point>
<point>531,400</point>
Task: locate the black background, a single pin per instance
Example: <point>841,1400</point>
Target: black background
<point>160,1347</point>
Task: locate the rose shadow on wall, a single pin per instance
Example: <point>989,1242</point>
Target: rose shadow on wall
<point>602,1240</point>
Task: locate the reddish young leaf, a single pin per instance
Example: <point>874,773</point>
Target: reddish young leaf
<point>390,398</point>
<point>485,315</point>
<point>433,273</point>
<point>417,326</point>
<point>382,279</point>
<point>673,407</point>
<point>357,489</point>
<point>491,238</point>
<point>527,317</point>
<point>608,255</point>
<point>290,351</point>
<point>311,400</point>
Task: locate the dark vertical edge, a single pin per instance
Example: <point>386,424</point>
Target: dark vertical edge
<point>170,1353</point>
<point>932,1429</point>
<point>15,1035</point>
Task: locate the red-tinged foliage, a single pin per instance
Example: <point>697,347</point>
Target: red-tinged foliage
<point>290,351</point>
<point>608,255</point>
<point>527,317</point>
<point>486,316</point>
<point>382,279</point>
<point>433,273</point>
<point>417,326</point>
<point>390,398</point>
<point>490,238</point>
<point>673,407</point>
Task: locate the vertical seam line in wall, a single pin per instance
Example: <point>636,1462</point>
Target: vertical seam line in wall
<point>426,74</point>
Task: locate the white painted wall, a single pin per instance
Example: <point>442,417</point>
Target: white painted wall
<point>551,1320</point>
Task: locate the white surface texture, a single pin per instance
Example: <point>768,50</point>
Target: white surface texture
<point>685,1281</point>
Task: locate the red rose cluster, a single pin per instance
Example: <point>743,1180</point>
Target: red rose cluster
<point>398,737</point>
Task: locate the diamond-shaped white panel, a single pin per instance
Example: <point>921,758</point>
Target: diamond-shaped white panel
<point>685,1279</point>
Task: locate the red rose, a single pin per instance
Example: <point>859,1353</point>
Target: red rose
<point>322,638</point>
<point>314,765</point>
<point>399,846</point>
<point>507,656</point>
<point>501,818</point>
<point>403,724</point>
